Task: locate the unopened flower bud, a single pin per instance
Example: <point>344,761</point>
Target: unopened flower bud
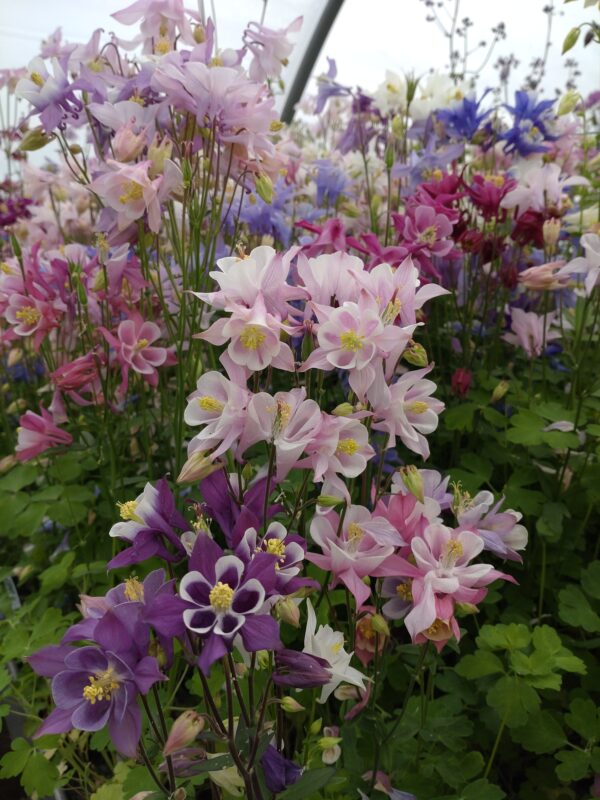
<point>7,463</point>
<point>325,742</point>
<point>499,391</point>
<point>179,794</point>
<point>551,233</point>
<point>34,140</point>
<point>264,188</point>
<point>329,501</point>
<point>315,727</point>
<point>262,659</point>
<point>241,669</point>
<point>198,466</point>
<point>397,127</point>
<point>157,155</point>
<point>14,357</point>
<point>126,144</point>
<point>20,404</point>
<point>379,625</point>
<point>343,410</point>
<point>413,480</point>
<point>390,156</point>
<point>247,471</point>
<point>291,706</point>
<point>568,102</point>
<point>184,730</point>
<point>288,611</point>
<point>415,354</point>
<point>463,609</point>
<point>199,34</point>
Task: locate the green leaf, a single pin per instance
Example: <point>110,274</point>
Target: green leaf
<point>575,764</point>
<point>550,524</point>
<point>456,769</point>
<point>514,700</point>
<point>19,476</point>
<point>67,513</point>
<point>56,575</point>
<point>13,763</point>
<point>481,663</point>
<point>583,719</point>
<point>482,790</point>
<point>460,418</point>
<point>575,609</point>
<point>541,734</point>
<point>67,467</point>
<point>40,775</point>
<point>310,782</point>
<point>504,637</point>
<point>590,580</point>
<point>110,791</point>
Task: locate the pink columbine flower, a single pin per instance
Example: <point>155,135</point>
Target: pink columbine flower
<point>364,548</point>
<point>406,409</point>
<point>354,337</point>
<point>127,145</point>
<point>219,405</point>
<point>528,331</point>
<point>270,49</point>
<point>544,277</point>
<point>133,349</point>
<point>36,434</point>
<point>254,338</point>
<point>340,446</point>
<point>427,231</point>
<point>287,420</point>
<point>500,530</point>
<point>30,316</point>
<point>442,575</point>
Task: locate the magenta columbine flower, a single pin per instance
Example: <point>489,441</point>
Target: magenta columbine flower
<point>36,434</point>
<point>225,598</point>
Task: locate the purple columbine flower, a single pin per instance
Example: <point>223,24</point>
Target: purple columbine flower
<point>148,523</point>
<point>288,549</point>
<point>93,687</point>
<point>225,598</point>
<point>279,771</point>
<point>300,670</point>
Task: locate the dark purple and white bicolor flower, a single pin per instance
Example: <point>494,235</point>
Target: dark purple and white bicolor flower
<point>226,599</point>
<point>288,549</point>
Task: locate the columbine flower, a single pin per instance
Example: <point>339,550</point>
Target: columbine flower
<point>148,523</point>
<point>329,644</point>
<point>364,547</point>
<point>133,349</point>
<point>500,530</point>
<point>287,548</point>
<point>589,265</point>
<point>219,405</point>
<point>225,598</point>
<point>279,771</point>
<point>340,446</point>
<point>531,331</point>
<point>407,410</point>
<point>36,434</point>
<point>270,50</point>
<point>50,95</point>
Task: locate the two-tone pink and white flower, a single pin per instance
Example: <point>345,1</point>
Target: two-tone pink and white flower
<point>220,407</point>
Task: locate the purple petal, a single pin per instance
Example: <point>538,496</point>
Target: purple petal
<point>247,599</point>
<point>228,624</point>
<point>87,659</point>
<point>204,556</point>
<point>260,633</point>
<point>126,734</point>
<point>58,721</point>
<point>67,688</point>
<point>215,647</point>
<point>200,621</point>
<point>49,661</point>
<point>91,716</point>
<point>147,674</point>
<point>80,631</point>
<point>262,567</point>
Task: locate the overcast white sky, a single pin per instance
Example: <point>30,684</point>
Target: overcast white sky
<point>368,37</point>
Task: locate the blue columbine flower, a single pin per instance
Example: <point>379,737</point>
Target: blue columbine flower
<point>462,119</point>
<point>529,130</point>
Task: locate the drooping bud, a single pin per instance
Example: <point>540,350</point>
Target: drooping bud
<point>34,139</point>
<point>379,625</point>
<point>551,233</point>
<point>343,410</point>
<point>291,706</point>
<point>7,463</point>
<point>198,466</point>
<point>568,102</point>
<point>264,188</point>
<point>413,480</point>
<point>415,354</point>
<point>184,730</point>
<point>262,659</point>
<point>126,144</point>
<point>464,609</point>
<point>325,742</point>
<point>499,391</point>
<point>315,727</point>
<point>329,501</point>
<point>288,611</point>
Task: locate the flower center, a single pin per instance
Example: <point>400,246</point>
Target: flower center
<point>429,235</point>
<point>127,510</point>
<point>391,312</point>
<point>347,447</point>
<point>275,546</point>
<point>417,407</point>
<point>101,686</point>
<point>404,592</point>
<point>355,532</point>
<point>497,180</point>
<point>453,550</point>
<point>162,46</point>
<point>209,403</point>
<point>134,590</point>
<point>282,417</point>
<point>221,596</point>
<point>29,315</point>
<point>435,628</point>
<point>141,344</point>
<point>252,337</point>
<point>6,268</point>
<point>132,191</point>
<point>37,79</point>
<point>352,341</point>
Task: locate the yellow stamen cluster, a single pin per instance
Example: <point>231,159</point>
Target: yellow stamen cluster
<point>404,592</point>
<point>134,590</point>
<point>347,447</point>
<point>6,268</point>
<point>391,311</point>
<point>429,235</point>
<point>209,403</point>
<point>252,337</point>
<point>355,532</point>
<point>282,417</point>
<point>162,46</point>
<point>416,407</point>
<point>454,549</point>
<point>29,315</point>
<point>141,344</point>
<point>435,628</point>
<point>221,596</point>
<point>101,687</point>
<point>437,174</point>
<point>351,341</point>
<point>127,510</point>
<point>37,79</point>
<point>275,547</point>
<point>132,191</point>
<point>497,180</point>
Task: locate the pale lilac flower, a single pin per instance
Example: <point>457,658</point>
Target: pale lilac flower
<point>270,49</point>
<point>588,265</point>
<point>528,330</point>
<point>500,530</point>
<point>219,405</point>
<point>541,187</point>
